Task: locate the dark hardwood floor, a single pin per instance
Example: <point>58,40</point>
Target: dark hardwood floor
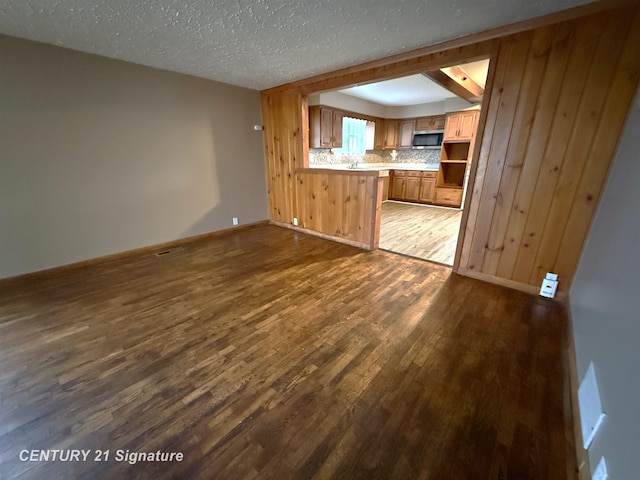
<point>269,354</point>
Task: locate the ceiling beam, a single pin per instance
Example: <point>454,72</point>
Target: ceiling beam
<point>463,78</point>
<point>457,82</point>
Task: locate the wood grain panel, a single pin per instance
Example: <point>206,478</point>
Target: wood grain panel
<point>577,86</point>
<point>606,51</point>
<point>515,56</point>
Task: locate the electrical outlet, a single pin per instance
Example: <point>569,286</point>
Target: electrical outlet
<point>600,473</point>
<point>295,221</point>
<point>235,220</point>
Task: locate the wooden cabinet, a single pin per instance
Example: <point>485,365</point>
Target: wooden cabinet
<point>412,188</point>
<point>461,126</point>
<point>325,127</point>
<point>427,189</point>
<point>406,133</point>
<point>336,129</point>
<point>397,184</point>
<point>392,129</point>
<point>413,185</point>
<point>435,122</point>
<point>379,134</point>
<point>449,196</point>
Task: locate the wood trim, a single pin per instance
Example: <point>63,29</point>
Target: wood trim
<point>377,214</point>
<point>491,74</point>
<point>582,457</point>
<point>504,282</point>
<point>344,76</point>
<point>324,236</point>
<point>148,250</point>
<point>454,83</point>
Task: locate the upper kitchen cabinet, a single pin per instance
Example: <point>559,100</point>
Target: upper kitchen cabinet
<point>325,127</point>
<point>392,131</point>
<point>406,133</point>
<point>435,122</point>
<point>379,134</point>
<point>460,126</point>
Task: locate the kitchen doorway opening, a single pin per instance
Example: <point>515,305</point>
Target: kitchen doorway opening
<point>424,135</point>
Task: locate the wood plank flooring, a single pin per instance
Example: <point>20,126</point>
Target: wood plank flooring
<point>421,231</point>
<point>270,354</point>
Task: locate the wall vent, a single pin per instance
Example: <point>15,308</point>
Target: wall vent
<point>168,252</point>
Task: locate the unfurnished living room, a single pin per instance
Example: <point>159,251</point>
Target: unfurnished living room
<point>192,281</point>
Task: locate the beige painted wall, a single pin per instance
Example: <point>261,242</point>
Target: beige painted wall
<point>605,307</point>
<point>100,156</point>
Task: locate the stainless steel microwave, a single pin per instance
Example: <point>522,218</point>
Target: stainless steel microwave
<point>427,139</point>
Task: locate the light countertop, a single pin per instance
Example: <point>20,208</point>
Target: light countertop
<point>381,166</point>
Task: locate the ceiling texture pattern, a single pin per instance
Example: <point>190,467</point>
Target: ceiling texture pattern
<point>261,43</point>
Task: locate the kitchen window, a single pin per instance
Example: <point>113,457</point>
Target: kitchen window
<point>357,136</point>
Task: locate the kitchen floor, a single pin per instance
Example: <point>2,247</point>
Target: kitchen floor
<point>422,231</point>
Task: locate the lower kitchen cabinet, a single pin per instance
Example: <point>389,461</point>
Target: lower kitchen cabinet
<point>412,188</point>
<point>451,197</point>
<point>413,185</point>
<point>427,189</point>
<point>396,187</point>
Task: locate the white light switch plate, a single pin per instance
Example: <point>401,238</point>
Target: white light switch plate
<point>591,414</point>
<point>600,472</point>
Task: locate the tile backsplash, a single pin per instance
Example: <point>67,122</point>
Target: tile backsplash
<point>322,156</point>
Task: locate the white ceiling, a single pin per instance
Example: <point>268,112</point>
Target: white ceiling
<point>258,43</point>
<point>412,90</point>
<point>415,89</point>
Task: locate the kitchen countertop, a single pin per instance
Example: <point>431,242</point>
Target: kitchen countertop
<point>381,166</point>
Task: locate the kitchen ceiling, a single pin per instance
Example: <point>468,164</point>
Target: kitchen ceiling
<point>414,89</point>
<point>258,43</point>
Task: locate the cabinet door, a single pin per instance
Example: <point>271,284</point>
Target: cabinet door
<point>385,188</point>
<point>424,123</point>
<point>326,127</point>
<point>397,188</point>
<point>406,133</point>
<point>391,135</point>
<point>336,129</point>
<point>379,134</point>
<point>451,127</point>
<point>467,125</point>
<point>412,189</point>
<point>427,189</point>
<point>438,122</point>
<point>435,122</point>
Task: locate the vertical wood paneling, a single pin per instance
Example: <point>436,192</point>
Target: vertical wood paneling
<point>576,67</point>
<point>584,125</point>
<point>523,118</point>
<point>539,195</point>
<point>340,205</point>
<point>619,97</point>
<point>492,201</point>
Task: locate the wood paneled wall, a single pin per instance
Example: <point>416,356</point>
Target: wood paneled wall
<point>556,101</point>
<point>344,205</point>
<point>559,99</point>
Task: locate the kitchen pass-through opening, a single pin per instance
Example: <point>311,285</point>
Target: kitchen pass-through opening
<point>422,128</point>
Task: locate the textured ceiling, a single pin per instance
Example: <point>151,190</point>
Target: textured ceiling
<point>260,43</point>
